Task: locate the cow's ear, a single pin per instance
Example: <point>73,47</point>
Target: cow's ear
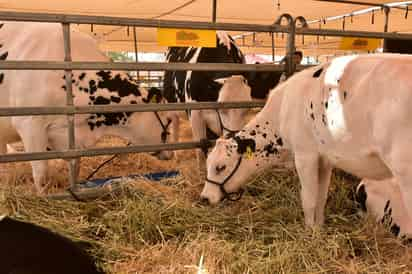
<point>221,80</point>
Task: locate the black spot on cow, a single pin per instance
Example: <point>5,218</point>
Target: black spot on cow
<point>100,100</point>
<point>81,88</point>
<point>4,56</point>
<point>243,144</point>
<point>73,81</point>
<point>257,126</point>
<point>318,73</point>
<point>1,78</point>
<point>92,98</point>
<point>86,90</point>
<point>264,135</point>
<point>115,83</point>
<point>64,87</point>
<point>267,123</point>
<point>115,99</point>
<point>253,132</point>
<point>279,141</point>
<point>361,197</point>
<point>395,229</point>
<point>345,94</point>
<point>270,149</point>
<point>133,102</point>
<point>82,75</point>
<point>92,86</point>
<point>312,116</point>
<point>311,105</point>
<point>326,104</point>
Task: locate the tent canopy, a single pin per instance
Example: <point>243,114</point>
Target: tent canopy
<point>114,38</point>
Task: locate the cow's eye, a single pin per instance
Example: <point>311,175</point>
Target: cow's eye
<point>220,168</point>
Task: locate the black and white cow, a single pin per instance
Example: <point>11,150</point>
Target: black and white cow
<point>352,113</point>
<point>210,86</point>
<point>38,41</point>
<point>27,248</point>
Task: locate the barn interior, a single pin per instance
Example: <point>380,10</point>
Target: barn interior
<point>158,227</point>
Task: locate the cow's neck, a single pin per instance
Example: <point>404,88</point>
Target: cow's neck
<point>261,139</point>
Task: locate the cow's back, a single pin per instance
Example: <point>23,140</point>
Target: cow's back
<point>349,108</point>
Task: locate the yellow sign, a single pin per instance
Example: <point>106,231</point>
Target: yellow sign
<point>186,38</point>
<point>353,43</point>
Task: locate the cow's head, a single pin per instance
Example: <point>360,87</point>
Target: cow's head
<point>233,160</point>
<point>234,88</point>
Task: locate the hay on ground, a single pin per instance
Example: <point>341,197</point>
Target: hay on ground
<point>159,228</point>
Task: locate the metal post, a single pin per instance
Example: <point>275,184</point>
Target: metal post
<point>73,168</point>
<point>290,50</point>
<point>273,46</point>
<point>386,26</point>
<point>214,8</point>
<point>136,58</point>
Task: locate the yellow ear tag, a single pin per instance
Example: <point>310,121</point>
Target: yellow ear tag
<point>249,153</point>
<point>154,99</point>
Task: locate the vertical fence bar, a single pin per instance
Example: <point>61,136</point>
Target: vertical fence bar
<point>214,10</point>
<point>290,50</point>
<point>136,52</point>
<point>73,163</point>
<point>386,25</point>
<point>273,46</point>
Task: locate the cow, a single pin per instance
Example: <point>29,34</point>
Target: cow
<point>352,113</point>
<point>29,248</point>
<point>202,86</point>
<point>382,199</point>
<point>23,88</point>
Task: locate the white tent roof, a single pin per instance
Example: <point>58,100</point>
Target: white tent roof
<point>233,11</point>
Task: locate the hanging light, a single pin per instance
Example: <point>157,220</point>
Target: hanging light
<point>343,23</point>
<point>407,11</point>
<point>351,18</point>
<point>278,4</point>
<point>373,17</point>
<point>128,31</point>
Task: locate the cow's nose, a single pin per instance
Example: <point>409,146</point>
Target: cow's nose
<point>204,201</point>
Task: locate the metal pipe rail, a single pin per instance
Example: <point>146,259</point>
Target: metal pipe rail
<point>123,21</point>
<point>150,66</point>
<point>75,153</point>
<point>70,110</point>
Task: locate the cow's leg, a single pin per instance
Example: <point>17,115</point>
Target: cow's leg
<point>33,133</point>
<point>307,167</point>
<point>199,132</point>
<point>325,172</point>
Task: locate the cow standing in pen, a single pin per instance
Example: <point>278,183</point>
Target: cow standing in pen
<point>215,86</point>
<point>24,88</point>
<point>352,113</point>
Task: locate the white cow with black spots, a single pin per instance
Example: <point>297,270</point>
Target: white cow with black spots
<point>22,88</point>
<point>353,113</point>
